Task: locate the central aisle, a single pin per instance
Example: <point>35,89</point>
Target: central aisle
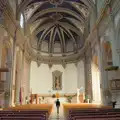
<point>54,115</point>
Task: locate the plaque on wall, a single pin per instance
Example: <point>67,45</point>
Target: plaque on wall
<point>57,80</point>
<point>115,84</point>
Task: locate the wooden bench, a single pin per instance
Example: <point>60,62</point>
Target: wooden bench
<point>22,118</point>
<point>89,114</point>
<point>23,115</point>
<point>27,112</point>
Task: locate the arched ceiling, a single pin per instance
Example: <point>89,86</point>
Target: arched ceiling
<point>57,26</point>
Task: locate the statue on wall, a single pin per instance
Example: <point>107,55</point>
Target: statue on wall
<point>57,80</point>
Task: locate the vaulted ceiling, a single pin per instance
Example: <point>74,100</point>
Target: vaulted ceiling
<point>57,27</point>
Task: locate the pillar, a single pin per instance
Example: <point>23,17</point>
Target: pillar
<point>88,75</point>
<point>22,78</point>
<point>8,82</point>
<point>13,71</point>
<point>1,43</point>
<point>115,50</point>
<point>103,74</point>
<point>18,76</point>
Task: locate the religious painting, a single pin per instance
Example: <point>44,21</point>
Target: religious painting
<point>115,84</point>
<point>57,80</point>
<point>108,52</point>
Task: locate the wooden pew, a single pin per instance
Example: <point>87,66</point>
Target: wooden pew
<point>107,117</point>
<point>22,118</point>
<point>15,115</point>
<point>87,114</point>
<point>83,106</point>
<point>27,112</point>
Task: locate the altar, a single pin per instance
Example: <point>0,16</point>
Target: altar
<point>48,99</point>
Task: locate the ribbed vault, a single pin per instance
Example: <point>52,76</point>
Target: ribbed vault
<point>57,28</point>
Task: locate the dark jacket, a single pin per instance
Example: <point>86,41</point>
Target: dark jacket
<point>57,103</point>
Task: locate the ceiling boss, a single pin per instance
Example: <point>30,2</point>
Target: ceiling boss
<point>56,2</point>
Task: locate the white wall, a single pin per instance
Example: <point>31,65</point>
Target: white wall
<point>81,74</point>
<point>41,78</point>
<point>70,78</point>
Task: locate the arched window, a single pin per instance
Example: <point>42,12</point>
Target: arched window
<point>21,21</point>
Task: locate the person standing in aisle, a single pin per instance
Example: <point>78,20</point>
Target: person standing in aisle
<point>58,106</point>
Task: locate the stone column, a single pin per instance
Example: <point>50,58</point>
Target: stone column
<point>13,79</point>
<point>8,82</point>
<point>88,73</point>
<point>17,88</point>
<point>100,62</point>
<point>118,51</point>
<point>115,56</point>
<point>115,53</point>
<point>25,83</point>
<point>103,74</point>
<point>18,76</point>
<point>22,78</point>
<point>100,65</point>
<point>1,43</point>
<point>28,89</point>
<point>13,70</point>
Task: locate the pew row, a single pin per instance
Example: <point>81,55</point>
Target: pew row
<point>70,106</point>
<point>27,112</point>
<point>97,114</point>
